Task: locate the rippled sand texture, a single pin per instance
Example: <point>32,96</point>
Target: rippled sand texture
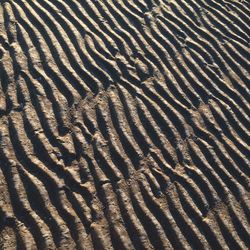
<point>124,124</point>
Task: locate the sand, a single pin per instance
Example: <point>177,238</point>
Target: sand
<point>124,124</point>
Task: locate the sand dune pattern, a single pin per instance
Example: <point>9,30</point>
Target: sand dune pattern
<point>124,124</point>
